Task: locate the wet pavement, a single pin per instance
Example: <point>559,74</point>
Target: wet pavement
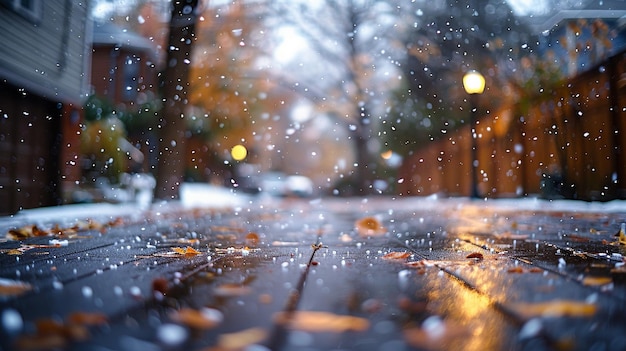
<point>323,274</point>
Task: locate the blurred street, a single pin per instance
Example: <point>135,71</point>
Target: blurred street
<point>220,271</point>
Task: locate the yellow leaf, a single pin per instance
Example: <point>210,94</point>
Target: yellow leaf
<point>179,250</point>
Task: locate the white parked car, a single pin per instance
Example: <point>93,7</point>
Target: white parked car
<point>280,184</point>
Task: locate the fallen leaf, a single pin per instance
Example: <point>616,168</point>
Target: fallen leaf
<point>27,247</point>
<point>10,287</point>
<point>63,232</point>
<point>160,286</point>
<point>412,307</point>
<point>433,335</point>
<point>420,266</point>
<point>369,226</point>
<point>516,269</point>
<point>229,290</point>
<point>577,238</point>
<point>416,264</point>
<point>88,224</point>
<point>87,318</point>
<point>241,339</point>
<point>395,255</point>
<point>596,281</point>
<point>53,334</point>
<point>178,252</point>
<point>619,270</point>
<point>204,318</point>
<point>312,321</point>
<point>265,299</point>
<point>188,251</point>
<point>475,255</point>
<point>252,239</point>
<point>25,232</point>
<point>555,308</point>
<point>40,342</point>
<point>48,327</point>
<point>32,230</point>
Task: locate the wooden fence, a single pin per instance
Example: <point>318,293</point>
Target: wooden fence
<point>572,146</point>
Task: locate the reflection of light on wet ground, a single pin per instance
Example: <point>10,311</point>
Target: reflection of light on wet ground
<point>462,307</point>
<point>472,221</point>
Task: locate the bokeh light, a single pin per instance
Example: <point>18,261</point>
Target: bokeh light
<point>239,152</point>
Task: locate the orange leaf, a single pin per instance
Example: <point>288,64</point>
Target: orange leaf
<point>597,281</point>
<point>252,239</point>
<point>555,308</point>
<point>191,251</point>
<point>369,226</point>
<point>179,250</point>
<point>24,232</point>
<point>395,255</point>
<point>517,269</point>
<point>41,342</point>
<point>476,255</point>
<point>86,318</point>
<point>13,287</point>
<point>188,251</point>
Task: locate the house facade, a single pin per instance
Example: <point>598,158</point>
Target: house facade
<point>124,74</point>
<point>44,57</point>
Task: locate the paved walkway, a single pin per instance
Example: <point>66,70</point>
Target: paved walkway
<point>330,274</point>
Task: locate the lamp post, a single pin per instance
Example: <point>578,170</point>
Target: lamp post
<point>474,84</point>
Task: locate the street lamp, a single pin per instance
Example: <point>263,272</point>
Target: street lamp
<point>474,84</point>
<point>238,152</point>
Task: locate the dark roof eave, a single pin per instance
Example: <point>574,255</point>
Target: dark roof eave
<point>545,23</point>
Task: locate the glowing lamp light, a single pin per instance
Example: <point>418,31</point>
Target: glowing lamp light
<point>238,152</point>
<point>473,82</point>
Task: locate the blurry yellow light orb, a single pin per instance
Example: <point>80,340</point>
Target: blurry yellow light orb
<point>473,82</point>
<point>238,152</point>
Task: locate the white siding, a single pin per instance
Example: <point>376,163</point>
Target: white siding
<point>48,57</point>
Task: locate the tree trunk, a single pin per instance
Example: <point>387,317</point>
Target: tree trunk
<point>362,176</point>
<point>362,172</point>
<point>174,86</point>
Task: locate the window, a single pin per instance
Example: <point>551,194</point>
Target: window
<point>29,9</point>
